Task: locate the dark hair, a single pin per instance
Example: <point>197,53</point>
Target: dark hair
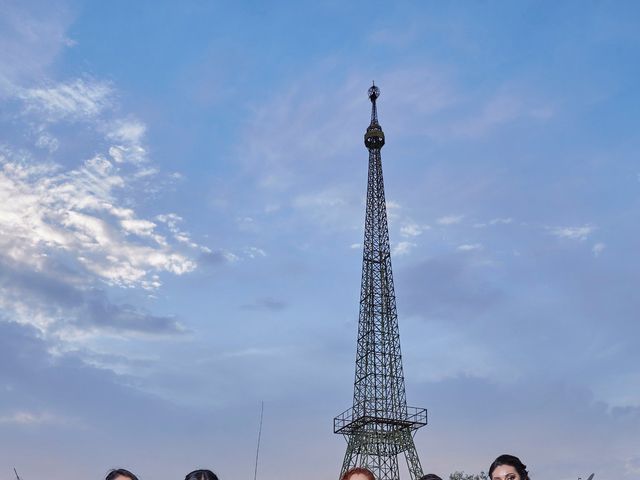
<point>120,472</point>
<point>367,473</point>
<point>201,475</point>
<point>512,461</point>
<point>430,476</point>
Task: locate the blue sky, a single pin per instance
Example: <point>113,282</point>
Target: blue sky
<point>181,213</point>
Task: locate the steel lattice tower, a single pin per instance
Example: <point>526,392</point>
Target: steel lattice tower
<point>379,426</point>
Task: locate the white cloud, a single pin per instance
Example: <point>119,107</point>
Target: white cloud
<point>247,224</point>
<point>138,226</point>
<point>44,212</point>
<point>33,419</point>
<point>32,36</point>
<point>572,233</point>
<point>78,99</point>
<point>230,257</point>
<point>129,131</point>
<point>632,465</point>
<point>253,252</point>
<point>412,229</point>
<point>47,142</point>
<point>129,136</point>
<point>172,220</point>
<point>470,247</point>
<point>450,219</point>
<point>403,248</point>
<point>393,206</point>
<point>598,248</point>
<point>493,222</point>
<point>80,221</point>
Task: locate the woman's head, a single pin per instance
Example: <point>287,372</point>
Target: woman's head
<point>430,476</point>
<point>120,474</point>
<point>358,473</point>
<point>508,467</point>
<point>201,475</point>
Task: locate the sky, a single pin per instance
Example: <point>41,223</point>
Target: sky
<point>181,218</point>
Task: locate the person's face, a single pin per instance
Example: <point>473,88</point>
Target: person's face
<point>358,476</point>
<point>505,472</point>
<point>121,477</point>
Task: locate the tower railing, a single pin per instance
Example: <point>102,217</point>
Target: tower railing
<point>352,420</point>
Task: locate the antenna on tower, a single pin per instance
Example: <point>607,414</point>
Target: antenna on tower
<point>255,471</point>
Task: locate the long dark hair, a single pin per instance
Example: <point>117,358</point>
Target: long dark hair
<point>120,472</point>
<point>201,475</point>
<point>512,461</point>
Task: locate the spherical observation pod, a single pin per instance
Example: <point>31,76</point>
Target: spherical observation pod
<point>374,93</point>
<point>374,137</point>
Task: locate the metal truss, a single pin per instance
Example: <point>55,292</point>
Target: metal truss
<point>379,427</point>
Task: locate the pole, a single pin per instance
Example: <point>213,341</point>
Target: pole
<point>255,472</point>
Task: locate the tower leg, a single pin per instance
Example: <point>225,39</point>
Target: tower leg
<point>413,462</point>
<point>350,456</point>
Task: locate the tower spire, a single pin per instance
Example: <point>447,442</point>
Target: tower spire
<point>374,93</point>
<point>379,426</point>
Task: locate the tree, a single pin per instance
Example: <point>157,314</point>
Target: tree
<point>468,476</point>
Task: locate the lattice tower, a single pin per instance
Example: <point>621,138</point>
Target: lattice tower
<point>379,427</point>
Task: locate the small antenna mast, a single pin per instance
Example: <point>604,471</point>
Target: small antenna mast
<point>16,472</point>
<point>255,472</point>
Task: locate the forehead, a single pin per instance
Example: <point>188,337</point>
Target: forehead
<point>358,476</point>
<point>503,470</point>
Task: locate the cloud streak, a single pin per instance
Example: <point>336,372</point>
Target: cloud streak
<point>449,220</point>
<point>76,100</point>
<point>573,233</point>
